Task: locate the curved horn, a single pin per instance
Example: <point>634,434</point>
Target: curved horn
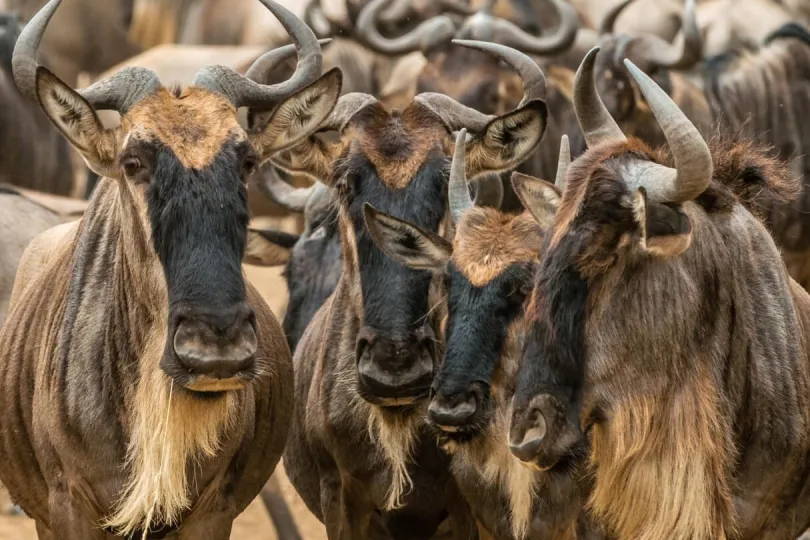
<point>282,193</point>
<point>693,161</point>
<point>483,26</point>
<point>119,92</point>
<point>396,11</point>
<point>315,18</point>
<point>244,92</point>
<point>457,116</point>
<point>347,106</point>
<point>458,197</point>
<point>534,82</point>
<point>594,119</point>
<point>661,53</point>
<point>428,35</point>
<point>609,21</point>
<point>266,63</point>
<point>563,162</point>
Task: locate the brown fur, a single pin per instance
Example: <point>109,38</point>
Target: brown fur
<point>195,124</point>
<point>397,144</point>
<point>488,241</point>
<point>696,408</point>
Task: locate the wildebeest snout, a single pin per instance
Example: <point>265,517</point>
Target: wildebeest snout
<point>395,372</point>
<point>453,411</point>
<point>216,346</point>
<point>541,434</point>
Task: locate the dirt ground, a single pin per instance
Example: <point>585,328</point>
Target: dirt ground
<point>254,523</point>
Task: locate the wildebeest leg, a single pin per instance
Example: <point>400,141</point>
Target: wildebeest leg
<point>208,526</point>
<point>280,514</point>
<point>343,512</point>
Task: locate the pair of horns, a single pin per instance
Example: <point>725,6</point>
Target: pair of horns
<point>693,161</point>
<point>455,115</point>
<point>124,89</point>
<point>479,26</point>
<point>656,50</point>
<point>459,199</point>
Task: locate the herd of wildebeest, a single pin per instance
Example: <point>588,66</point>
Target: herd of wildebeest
<point>550,282</point>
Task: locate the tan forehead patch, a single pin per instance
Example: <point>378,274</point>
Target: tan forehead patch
<point>194,125</point>
<point>487,242</point>
<point>397,145</point>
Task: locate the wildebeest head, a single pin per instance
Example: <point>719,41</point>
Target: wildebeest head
<point>471,77</point>
<point>488,270</point>
<point>652,55</point>
<point>621,210</point>
<point>180,160</point>
<point>312,261</point>
<point>395,162</point>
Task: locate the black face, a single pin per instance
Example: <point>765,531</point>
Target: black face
<point>313,271</point>
<point>199,224</point>
<point>477,326</point>
<point>396,343</point>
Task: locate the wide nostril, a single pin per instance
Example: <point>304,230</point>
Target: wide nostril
<point>206,350</point>
<point>527,446</point>
<point>453,412</point>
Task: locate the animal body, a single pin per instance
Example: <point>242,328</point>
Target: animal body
<point>359,454</point>
<point>147,388</point>
<point>676,391</point>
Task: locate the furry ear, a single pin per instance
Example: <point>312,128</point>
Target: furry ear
<point>405,243</point>
<point>665,229</point>
<point>312,158</point>
<point>299,115</point>
<point>268,248</point>
<point>539,197</point>
<point>78,122</point>
<point>507,140</point>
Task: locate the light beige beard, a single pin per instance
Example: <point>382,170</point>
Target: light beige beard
<point>497,466</point>
<point>169,428</point>
<point>396,441</point>
<point>669,454</point>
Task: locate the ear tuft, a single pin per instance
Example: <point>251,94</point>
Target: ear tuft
<point>539,197</point>
<point>268,248</point>
<point>665,229</point>
<point>299,115</point>
<point>406,243</point>
<point>75,118</point>
<point>507,141</point>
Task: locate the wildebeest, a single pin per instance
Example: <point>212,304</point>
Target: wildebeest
<point>312,260</point>
<point>488,270</point>
<point>661,61</point>
<point>22,217</point>
<point>666,325</point>
<point>359,454</point>
<point>476,79</point>
<point>33,154</point>
<point>90,36</point>
<point>762,96</point>
<point>145,385</point>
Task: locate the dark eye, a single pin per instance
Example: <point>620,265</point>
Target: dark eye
<point>249,166</point>
<point>132,166</point>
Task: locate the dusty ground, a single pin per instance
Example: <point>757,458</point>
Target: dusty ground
<point>254,523</point>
